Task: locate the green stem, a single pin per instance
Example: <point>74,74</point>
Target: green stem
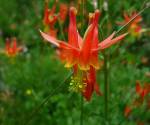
<point>61,30</point>
<point>83,15</point>
<point>106,84</point>
<point>82,100</point>
<point>81,115</point>
<point>106,87</point>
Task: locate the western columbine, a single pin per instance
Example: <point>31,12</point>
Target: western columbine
<point>82,54</point>
<point>142,91</point>
<point>11,48</point>
<point>50,18</point>
<point>134,28</point>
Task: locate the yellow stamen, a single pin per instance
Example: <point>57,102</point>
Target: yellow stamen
<point>77,84</point>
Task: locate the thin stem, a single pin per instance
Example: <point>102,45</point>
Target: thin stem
<point>83,12</point>
<point>81,115</point>
<point>61,30</point>
<point>106,87</point>
<point>82,100</point>
<point>132,19</point>
<point>106,84</point>
<point>98,4</point>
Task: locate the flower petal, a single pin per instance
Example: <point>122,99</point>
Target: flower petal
<point>72,33</point>
<point>50,39</point>
<point>91,84</point>
<point>108,42</point>
<point>90,42</point>
<point>80,40</point>
<point>86,49</point>
<point>138,88</point>
<point>97,89</point>
<point>117,39</point>
<point>94,55</point>
<point>14,45</point>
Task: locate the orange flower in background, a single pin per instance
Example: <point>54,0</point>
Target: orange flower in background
<point>11,48</point>
<point>134,27</point>
<point>142,91</point>
<point>53,32</point>
<point>50,17</point>
<point>82,54</point>
<point>142,97</point>
<point>140,123</point>
<point>63,11</point>
<point>127,111</point>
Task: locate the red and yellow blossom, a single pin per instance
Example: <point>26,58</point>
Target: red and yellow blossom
<point>50,17</point>
<point>134,28</point>
<point>142,91</point>
<point>11,48</point>
<point>82,53</point>
<point>127,111</point>
<point>141,96</point>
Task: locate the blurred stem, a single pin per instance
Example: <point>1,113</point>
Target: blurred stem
<point>99,3</point>
<point>82,100</point>
<point>106,84</point>
<point>81,115</point>
<point>61,30</point>
<point>83,12</point>
<point>106,87</point>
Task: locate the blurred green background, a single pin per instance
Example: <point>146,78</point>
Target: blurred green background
<point>27,79</point>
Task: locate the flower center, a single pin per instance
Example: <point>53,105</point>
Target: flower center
<point>77,84</point>
<point>51,18</point>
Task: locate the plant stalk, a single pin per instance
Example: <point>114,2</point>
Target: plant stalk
<point>106,88</point>
<point>82,110</point>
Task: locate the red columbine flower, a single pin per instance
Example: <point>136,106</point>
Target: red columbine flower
<point>142,91</point>
<point>11,48</point>
<point>50,17</point>
<point>134,27</point>
<point>127,111</point>
<point>82,54</point>
<point>49,20</point>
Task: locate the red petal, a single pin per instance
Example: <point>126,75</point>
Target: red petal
<point>46,14</point>
<point>50,39</point>
<point>86,48</point>
<point>91,85</point>
<point>138,88</point>
<point>117,39</point>
<point>94,55</point>
<point>72,33</point>
<point>108,43</point>
<point>7,46</point>
<point>58,43</point>
<point>90,42</point>
<point>97,89</point>
<point>88,92</point>
<point>80,40</point>
<point>127,111</point>
<point>14,46</point>
<point>144,93</point>
<point>126,17</point>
